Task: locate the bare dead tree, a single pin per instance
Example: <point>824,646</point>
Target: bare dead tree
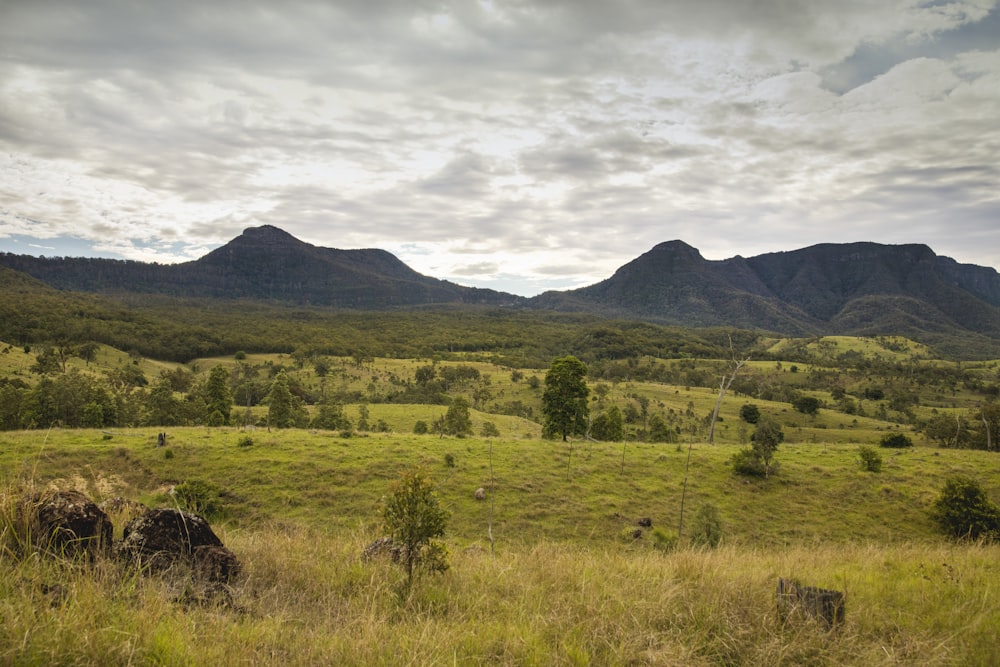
<point>735,364</point>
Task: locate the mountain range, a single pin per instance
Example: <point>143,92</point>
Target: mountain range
<point>854,288</point>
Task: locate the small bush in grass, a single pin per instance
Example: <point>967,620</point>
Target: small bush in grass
<point>965,511</point>
<point>168,453</point>
<point>420,428</point>
<point>895,441</point>
<point>449,460</point>
<point>199,497</point>
<point>245,441</point>
<point>664,540</point>
<point>414,519</point>
<point>706,527</point>
<point>490,430</point>
<point>871,460</point>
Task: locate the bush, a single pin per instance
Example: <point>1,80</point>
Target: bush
<point>706,527</point>
<point>808,405</point>
<point>414,519</point>
<point>199,497</point>
<point>664,540</point>
<point>964,511</point>
<point>895,441</point>
<point>245,441</point>
<point>420,428</point>
<point>490,430</point>
<point>750,413</point>
<point>449,460</point>
<point>871,460</point>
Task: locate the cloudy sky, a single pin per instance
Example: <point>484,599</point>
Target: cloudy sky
<point>522,145</point>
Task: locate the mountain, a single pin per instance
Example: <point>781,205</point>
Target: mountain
<point>264,263</point>
<point>854,288</point>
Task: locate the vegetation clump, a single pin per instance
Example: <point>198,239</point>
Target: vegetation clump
<point>871,460</point>
<point>895,441</point>
<point>413,517</point>
<point>965,511</point>
<point>757,460</point>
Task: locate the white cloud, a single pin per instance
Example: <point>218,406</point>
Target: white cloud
<point>529,143</point>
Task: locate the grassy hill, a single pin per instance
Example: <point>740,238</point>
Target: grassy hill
<point>566,583</point>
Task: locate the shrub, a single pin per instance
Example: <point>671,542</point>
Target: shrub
<point>871,460</point>
<point>490,430</point>
<point>199,497</point>
<point>964,511</point>
<point>706,526</point>
<point>895,441</point>
<point>808,405</point>
<point>168,453</point>
<point>758,459</point>
<point>420,428</point>
<point>664,540</point>
<point>414,519</point>
<point>245,441</point>
<point>449,460</point>
<point>750,413</point>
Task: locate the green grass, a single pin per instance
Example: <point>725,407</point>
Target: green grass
<point>561,587</point>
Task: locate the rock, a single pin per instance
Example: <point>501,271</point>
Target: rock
<point>645,522</point>
<point>480,493</point>
<point>383,546</point>
<point>164,538</point>
<point>65,523</point>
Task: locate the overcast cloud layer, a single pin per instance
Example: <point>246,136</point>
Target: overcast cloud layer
<point>517,144</point>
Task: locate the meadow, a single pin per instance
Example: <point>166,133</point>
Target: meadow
<point>564,581</point>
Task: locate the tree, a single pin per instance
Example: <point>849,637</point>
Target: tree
<point>331,417</point>
<point>964,511</point>
<point>735,365</point>
<point>750,413</point>
<point>947,430</point>
<point>218,398</point>
<point>414,519</point>
<point>608,425</point>
<point>280,412</point>
<point>457,421</point>
<point>564,400</point>
<point>808,405</point>
<point>758,458</point>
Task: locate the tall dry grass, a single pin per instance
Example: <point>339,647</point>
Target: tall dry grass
<point>308,599</point>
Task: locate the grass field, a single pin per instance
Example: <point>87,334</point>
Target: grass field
<point>562,585</point>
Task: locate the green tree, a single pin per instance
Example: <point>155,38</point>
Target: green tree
<point>218,398</point>
<point>750,413</point>
<point>162,408</point>
<point>331,417</point>
<point>965,511</point>
<point>871,460</point>
<point>564,401</point>
<point>808,405</point>
<point>414,519</point>
<point>706,527</point>
<point>947,430</point>
<point>457,421</point>
<point>758,459</point>
<point>280,410</point>
<point>609,425</point>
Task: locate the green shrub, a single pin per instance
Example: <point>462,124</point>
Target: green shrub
<point>413,517</point>
<point>199,497</point>
<point>871,460</point>
<point>706,526</point>
<point>490,430</point>
<point>750,413</point>
<point>168,453</point>
<point>664,540</point>
<point>420,428</point>
<point>964,511</point>
<point>449,460</point>
<point>895,441</point>
<point>245,441</point>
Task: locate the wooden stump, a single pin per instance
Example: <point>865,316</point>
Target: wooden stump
<point>824,605</point>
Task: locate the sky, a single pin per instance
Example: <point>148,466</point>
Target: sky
<point>521,145</point>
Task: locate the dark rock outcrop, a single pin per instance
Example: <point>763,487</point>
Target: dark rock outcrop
<point>163,539</point>
<point>65,523</point>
